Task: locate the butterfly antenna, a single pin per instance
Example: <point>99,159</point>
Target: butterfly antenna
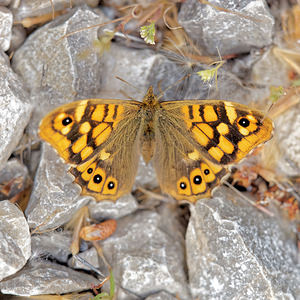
<point>268,111</point>
<point>130,84</point>
<point>159,87</point>
<point>135,87</point>
<point>172,85</point>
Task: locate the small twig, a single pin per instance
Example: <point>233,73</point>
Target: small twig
<point>86,263</point>
<point>101,254</point>
<point>263,209</point>
<point>53,11</point>
<point>165,20</point>
<point>229,11</point>
<point>153,195</point>
<point>36,230</point>
<point>92,26</point>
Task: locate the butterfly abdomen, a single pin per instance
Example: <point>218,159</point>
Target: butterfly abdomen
<point>147,140</point>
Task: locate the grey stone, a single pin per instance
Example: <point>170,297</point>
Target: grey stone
<point>90,255</point>
<point>145,175</point>
<point>13,169</point>
<point>60,71</point>
<point>251,26</point>
<point>234,251</point>
<point>147,255</point>
<point>113,210</point>
<point>34,161</point>
<point>242,66</point>
<point>15,109</point>
<point>17,38</point>
<point>54,198</point>
<point>288,136</point>
<point>270,71</point>
<point>54,244</point>
<point>42,277</point>
<point>15,247</point>
<point>123,294</point>
<point>6,22</point>
<point>15,172</point>
<point>45,62</point>
<point>161,296</point>
<point>132,65</point>
<point>33,8</point>
<point>5,2</point>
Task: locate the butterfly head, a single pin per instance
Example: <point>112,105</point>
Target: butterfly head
<point>150,98</point>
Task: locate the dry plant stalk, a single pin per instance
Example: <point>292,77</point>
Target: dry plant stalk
<point>40,20</point>
<point>47,220</point>
<point>290,57</point>
<point>290,98</point>
<point>76,223</point>
<point>178,42</point>
<point>291,25</point>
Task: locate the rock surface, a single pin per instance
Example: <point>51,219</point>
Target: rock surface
<point>234,251</point>
<point>15,246</point>
<point>15,109</point>
<point>216,29</point>
<point>147,255</point>
<point>41,277</point>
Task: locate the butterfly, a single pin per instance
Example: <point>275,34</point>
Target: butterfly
<point>191,142</point>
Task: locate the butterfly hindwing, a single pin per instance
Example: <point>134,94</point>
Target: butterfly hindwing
<point>98,138</point>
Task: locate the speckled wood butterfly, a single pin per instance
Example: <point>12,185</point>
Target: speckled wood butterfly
<point>190,142</point>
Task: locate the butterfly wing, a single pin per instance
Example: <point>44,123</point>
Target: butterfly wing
<point>195,139</point>
<point>99,138</point>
